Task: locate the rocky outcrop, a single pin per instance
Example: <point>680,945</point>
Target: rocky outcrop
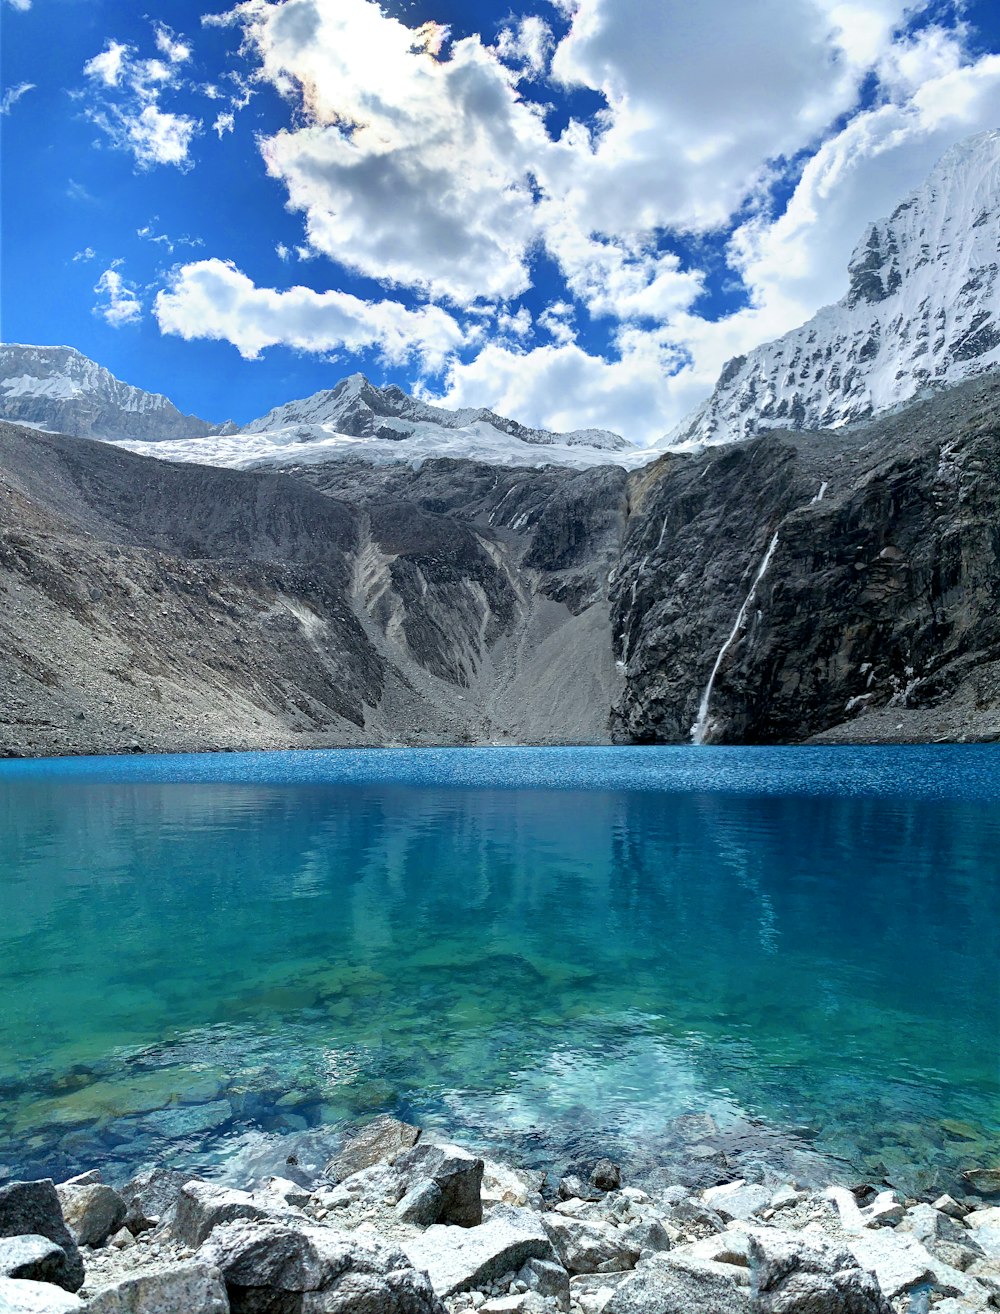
<point>855,593</point>
<point>852,596</point>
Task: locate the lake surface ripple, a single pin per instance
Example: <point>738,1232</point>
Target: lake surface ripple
<point>554,952</point>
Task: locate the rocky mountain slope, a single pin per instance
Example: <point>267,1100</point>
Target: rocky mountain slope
<point>60,390</point>
<point>922,311</point>
<point>855,595</point>
<point>158,606</point>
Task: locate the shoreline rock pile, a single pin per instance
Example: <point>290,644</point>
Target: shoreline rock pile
<point>397,1224</point>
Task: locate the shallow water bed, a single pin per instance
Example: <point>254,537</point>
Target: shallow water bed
<point>553,951</point>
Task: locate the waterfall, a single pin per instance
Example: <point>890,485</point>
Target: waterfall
<point>700,727</point>
<point>819,496</point>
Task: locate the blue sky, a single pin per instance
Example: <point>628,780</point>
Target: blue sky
<point>573,211</point>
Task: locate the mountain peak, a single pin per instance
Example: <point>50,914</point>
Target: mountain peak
<point>922,310</point>
<point>61,390</point>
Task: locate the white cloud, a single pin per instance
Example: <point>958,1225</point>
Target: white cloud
<point>213,299</point>
<point>128,106</point>
<point>410,168</point>
<point>88,253</point>
<point>13,94</point>
<point>225,122</point>
<point>415,161</point>
<point>168,43</point>
<point>557,320</point>
<point>21,5</point>
<point>527,45</point>
<point>120,304</point>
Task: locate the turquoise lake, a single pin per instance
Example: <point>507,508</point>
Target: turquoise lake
<point>548,952</point>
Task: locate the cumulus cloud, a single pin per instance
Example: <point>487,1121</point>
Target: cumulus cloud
<point>526,45</point>
<point>13,94</point>
<point>128,100</point>
<point>409,167</point>
<point>419,161</point>
<point>214,299</point>
<point>119,302</point>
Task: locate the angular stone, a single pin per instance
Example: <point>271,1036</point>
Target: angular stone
<point>381,1141</point>
<point>648,1234</point>
<point>575,1188</point>
<point>32,1209</point>
<point>458,1174</point>
<point>466,1259</point>
<point>547,1279</point>
<point>607,1175</point>
<point>151,1198</point>
<point>729,1247</point>
<point>928,1225</point>
<point>33,1257</point>
<point>189,1286</point>
<point>791,1276</point>
<point>945,1204</point>
<point>674,1286</point>
<point>984,1229</point>
<point>421,1205</point>
<point>19,1296</point>
<point>307,1267</point>
<point>738,1199</point>
<point>202,1206</point>
<point>525,1302</point>
<point>589,1247</point>
<point>984,1181</point>
<point>92,1211</point>
<point>899,1262</point>
<point>884,1211</point>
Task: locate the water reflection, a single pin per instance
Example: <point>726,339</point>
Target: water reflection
<point>520,960</point>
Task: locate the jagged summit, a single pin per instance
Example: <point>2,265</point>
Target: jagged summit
<point>922,310</point>
<point>358,408</point>
<point>61,390</point>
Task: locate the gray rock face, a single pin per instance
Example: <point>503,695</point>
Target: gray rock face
<point>457,1175</point>
<point>876,616</point>
<point>33,1257</point>
<point>19,1296</point>
<point>151,1195</point>
<point>270,1266</point>
<point>320,607</point>
<point>381,1141</point>
<point>191,1287</point>
<point>674,1286</point>
<point>32,1209</point>
<point>466,1259</point>
<point>92,1212</point>
<point>584,1246</point>
<point>202,1206</point>
<point>547,1279</point>
<point>791,1276</point>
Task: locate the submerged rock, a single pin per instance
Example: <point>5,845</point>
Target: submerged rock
<point>33,1209</point>
<point>381,1141</point>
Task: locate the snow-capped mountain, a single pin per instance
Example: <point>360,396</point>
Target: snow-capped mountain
<point>922,310</point>
<point>359,421</point>
<point>357,408</point>
<point>59,389</point>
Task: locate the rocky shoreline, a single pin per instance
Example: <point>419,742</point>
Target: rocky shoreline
<point>398,1223</point>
